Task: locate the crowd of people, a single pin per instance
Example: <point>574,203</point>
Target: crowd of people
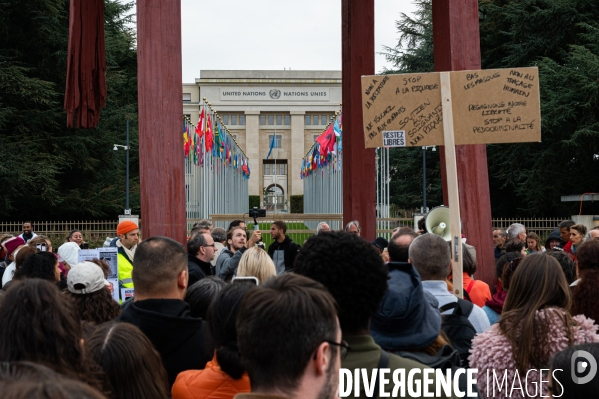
<point>224,316</point>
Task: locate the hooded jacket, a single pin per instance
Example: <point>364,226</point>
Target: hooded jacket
<point>210,383</point>
<point>491,351</point>
<point>179,338</point>
<point>290,252</point>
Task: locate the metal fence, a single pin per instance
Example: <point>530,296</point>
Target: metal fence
<point>57,231</point>
<point>542,227</point>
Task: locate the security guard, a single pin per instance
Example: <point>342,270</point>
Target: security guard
<point>128,233</point>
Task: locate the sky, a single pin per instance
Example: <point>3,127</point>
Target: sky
<point>275,34</point>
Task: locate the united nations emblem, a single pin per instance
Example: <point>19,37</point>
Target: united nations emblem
<point>275,94</point>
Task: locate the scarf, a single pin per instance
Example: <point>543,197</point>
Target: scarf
<point>130,252</point>
<point>496,303</point>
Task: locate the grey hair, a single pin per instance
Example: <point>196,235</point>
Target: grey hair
<point>219,234</point>
<point>319,227</point>
<point>195,242</point>
<point>355,223</point>
<point>430,256</point>
<point>514,230</point>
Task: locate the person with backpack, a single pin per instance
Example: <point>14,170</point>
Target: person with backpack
<point>535,325</point>
<point>429,253</point>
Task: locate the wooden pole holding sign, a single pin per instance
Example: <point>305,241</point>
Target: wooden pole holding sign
<point>453,195</point>
<point>453,108</point>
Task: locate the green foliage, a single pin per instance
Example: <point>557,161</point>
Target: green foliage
<point>297,204</point>
<point>560,37</point>
<point>254,201</point>
<point>46,170</point>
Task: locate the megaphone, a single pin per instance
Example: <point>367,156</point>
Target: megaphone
<point>437,222</point>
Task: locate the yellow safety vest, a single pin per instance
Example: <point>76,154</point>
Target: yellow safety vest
<point>125,269</point>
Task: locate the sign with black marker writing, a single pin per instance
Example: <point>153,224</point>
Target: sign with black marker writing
<point>489,106</point>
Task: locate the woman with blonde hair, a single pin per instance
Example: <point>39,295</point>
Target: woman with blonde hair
<point>255,262</point>
<point>533,244</point>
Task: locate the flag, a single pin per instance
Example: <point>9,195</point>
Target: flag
<point>186,138</point>
<point>326,141</point>
<point>201,122</point>
<point>272,145</point>
<point>209,138</point>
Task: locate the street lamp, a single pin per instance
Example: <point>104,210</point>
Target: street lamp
<point>424,207</point>
<point>126,148</point>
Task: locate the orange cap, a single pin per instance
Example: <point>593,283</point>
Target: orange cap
<point>125,226</point>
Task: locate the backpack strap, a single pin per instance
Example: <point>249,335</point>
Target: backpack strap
<point>383,363</point>
<point>469,288</point>
<point>466,307</point>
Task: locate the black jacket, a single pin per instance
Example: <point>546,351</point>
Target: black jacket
<point>179,338</point>
<point>198,269</point>
<point>291,249</point>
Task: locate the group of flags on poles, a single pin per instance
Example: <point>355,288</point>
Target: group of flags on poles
<point>209,137</point>
<point>325,151</point>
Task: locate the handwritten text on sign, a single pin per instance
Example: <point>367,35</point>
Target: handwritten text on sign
<point>489,106</point>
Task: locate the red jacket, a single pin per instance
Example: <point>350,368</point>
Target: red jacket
<point>210,383</point>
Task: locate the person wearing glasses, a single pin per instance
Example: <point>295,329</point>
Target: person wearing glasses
<point>200,252</point>
<point>289,339</point>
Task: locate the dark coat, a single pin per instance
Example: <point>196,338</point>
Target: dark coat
<point>291,250</point>
<point>179,338</point>
<point>198,269</point>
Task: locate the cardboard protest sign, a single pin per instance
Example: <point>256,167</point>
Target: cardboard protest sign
<point>489,106</point>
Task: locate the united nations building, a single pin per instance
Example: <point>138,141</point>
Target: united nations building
<point>291,107</point>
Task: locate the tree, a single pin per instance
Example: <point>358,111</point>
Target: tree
<point>46,170</point>
<point>560,37</point>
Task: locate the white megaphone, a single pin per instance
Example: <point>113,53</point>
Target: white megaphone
<point>437,222</point>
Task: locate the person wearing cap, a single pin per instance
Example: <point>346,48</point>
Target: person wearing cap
<point>11,246</point>
<point>68,255</point>
<point>87,286</point>
<point>128,233</point>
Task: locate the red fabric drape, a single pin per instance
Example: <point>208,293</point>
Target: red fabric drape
<point>85,90</point>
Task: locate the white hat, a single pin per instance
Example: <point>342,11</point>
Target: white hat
<point>85,278</point>
<point>68,252</point>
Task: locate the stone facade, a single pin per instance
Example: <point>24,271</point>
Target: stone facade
<point>295,106</point>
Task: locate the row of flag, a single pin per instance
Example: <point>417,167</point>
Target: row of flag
<point>326,150</point>
<point>210,138</point>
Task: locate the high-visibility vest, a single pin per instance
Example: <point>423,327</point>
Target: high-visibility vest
<point>125,271</point>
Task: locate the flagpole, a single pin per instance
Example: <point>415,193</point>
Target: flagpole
<point>274,139</point>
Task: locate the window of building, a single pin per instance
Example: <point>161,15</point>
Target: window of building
<point>267,169</point>
<point>286,120</point>
<point>316,120</point>
<point>307,120</point>
<point>315,137</point>
<point>242,119</point>
<point>279,119</point>
<point>263,119</point>
<point>233,119</point>
<point>187,97</point>
<point>323,119</point>
<point>275,167</point>
<point>271,119</point>
<point>277,141</point>
<point>226,119</point>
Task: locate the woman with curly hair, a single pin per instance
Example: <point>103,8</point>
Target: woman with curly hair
<point>42,265</point>
<point>86,286</point>
<point>38,324</point>
<point>132,367</point>
<point>535,325</point>
<point>585,290</point>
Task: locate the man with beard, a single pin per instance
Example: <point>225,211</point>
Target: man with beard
<point>28,233</point>
<point>282,250</point>
<point>289,340</point>
<point>228,260</point>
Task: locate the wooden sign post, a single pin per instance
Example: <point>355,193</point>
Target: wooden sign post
<point>452,108</point>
